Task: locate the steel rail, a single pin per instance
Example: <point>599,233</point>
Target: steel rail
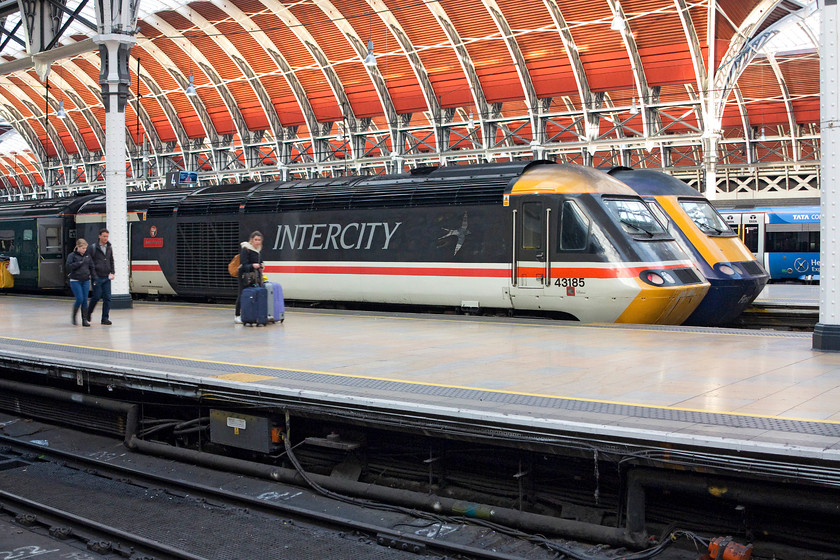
<point>73,519</point>
<point>166,482</point>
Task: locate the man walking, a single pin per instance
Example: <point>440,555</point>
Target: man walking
<point>103,264</point>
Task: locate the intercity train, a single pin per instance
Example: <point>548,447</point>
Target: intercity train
<point>535,236</point>
<point>785,239</point>
<point>735,276</point>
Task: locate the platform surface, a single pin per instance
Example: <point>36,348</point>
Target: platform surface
<point>791,295</point>
<point>745,390</point>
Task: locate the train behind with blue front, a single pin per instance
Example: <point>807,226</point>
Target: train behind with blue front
<point>735,276</point>
<point>785,239</point>
<point>534,236</point>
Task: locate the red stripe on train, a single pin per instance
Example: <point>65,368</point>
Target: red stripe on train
<point>388,270</point>
<point>465,272</point>
<point>145,268</point>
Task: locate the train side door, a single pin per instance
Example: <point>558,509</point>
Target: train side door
<point>50,253</point>
<point>750,228</point>
<point>752,234</point>
<point>531,269</point>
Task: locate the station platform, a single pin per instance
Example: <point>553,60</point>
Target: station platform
<point>739,391</point>
<point>790,295</point>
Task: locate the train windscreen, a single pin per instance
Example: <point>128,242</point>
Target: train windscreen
<point>635,217</point>
<point>707,218</point>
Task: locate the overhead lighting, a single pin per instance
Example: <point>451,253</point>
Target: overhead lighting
<point>470,121</point>
<point>762,137</point>
<point>618,23</point>
<point>61,113</point>
<point>634,109</point>
<point>370,59</point>
<point>190,87</point>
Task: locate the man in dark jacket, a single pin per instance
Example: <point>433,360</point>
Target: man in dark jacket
<point>103,264</point>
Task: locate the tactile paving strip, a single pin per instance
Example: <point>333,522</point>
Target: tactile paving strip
<point>111,359</point>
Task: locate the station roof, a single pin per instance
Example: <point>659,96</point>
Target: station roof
<point>269,72</point>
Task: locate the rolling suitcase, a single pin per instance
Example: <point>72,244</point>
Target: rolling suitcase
<point>254,305</point>
<point>276,305</point>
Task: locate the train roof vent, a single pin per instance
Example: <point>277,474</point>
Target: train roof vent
<point>209,207</point>
<point>164,203</point>
<point>382,197</point>
<point>228,187</point>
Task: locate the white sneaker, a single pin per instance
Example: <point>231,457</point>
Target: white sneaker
<point>237,320</point>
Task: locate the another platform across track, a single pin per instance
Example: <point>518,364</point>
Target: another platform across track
<point>740,391</point>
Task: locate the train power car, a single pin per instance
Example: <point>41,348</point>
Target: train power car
<point>40,234</point>
<point>521,235</point>
<point>785,239</point>
<point>735,276</point>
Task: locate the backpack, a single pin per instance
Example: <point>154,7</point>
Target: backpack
<point>233,266</point>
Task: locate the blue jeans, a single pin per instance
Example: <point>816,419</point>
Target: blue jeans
<point>80,291</point>
<point>102,290</point>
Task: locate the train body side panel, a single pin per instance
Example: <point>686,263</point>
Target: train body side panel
<point>421,255</point>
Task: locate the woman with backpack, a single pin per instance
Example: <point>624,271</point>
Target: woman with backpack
<point>250,268</point>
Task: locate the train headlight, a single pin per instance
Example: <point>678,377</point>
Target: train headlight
<point>726,269</point>
<point>653,278</point>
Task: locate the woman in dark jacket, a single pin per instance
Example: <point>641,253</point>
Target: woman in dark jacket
<point>80,270</point>
<point>250,268</point>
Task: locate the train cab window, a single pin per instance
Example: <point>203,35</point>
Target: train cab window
<point>660,215</point>
<point>706,218</point>
<point>532,225</point>
<point>635,218</point>
<point>574,228</point>
<point>7,240</point>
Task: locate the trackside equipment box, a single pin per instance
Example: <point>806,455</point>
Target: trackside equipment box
<point>241,430</point>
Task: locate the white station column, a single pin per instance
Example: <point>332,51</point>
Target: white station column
<point>117,21</point>
<point>827,331</point>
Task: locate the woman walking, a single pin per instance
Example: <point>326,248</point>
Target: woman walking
<point>80,269</point>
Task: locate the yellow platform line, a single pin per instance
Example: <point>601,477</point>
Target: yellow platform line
<point>425,384</point>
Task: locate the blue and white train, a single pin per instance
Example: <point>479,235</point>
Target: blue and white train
<point>786,240</point>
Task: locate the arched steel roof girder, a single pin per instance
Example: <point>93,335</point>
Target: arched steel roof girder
<point>168,109</point>
<point>373,71</point>
<point>572,52</point>
<point>417,65</point>
<point>311,44</point>
<point>739,54</point>
<point>69,66</point>
<point>749,135</point>
<point>19,123</point>
<point>8,172</point>
<point>794,129</point>
<point>288,73</point>
<point>36,107</point>
<point>206,66</point>
<point>635,63</point>
<point>149,131</point>
<point>467,65</point>
<point>90,117</point>
<point>525,81</point>
<point>228,47</point>
<point>694,48</point>
<point>58,82</point>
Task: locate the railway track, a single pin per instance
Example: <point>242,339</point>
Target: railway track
<point>86,476</point>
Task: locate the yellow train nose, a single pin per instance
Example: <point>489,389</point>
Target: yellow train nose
<point>663,305</point>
